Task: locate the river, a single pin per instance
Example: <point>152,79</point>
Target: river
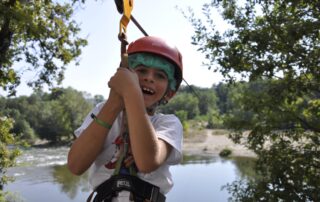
<point>42,175</point>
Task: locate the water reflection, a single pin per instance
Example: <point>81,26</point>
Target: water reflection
<point>203,179</point>
<point>245,167</point>
<point>196,159</point>
<point>198,178</point>
<point>69,183</point>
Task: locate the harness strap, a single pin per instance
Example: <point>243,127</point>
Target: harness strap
<point>126,142</point>
<point>141,190</point>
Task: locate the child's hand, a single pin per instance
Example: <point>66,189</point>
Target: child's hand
<point>123,81</point>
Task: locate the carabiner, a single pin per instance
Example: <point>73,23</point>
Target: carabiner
<point>124,7</point>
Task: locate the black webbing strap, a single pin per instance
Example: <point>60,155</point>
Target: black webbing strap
<point>140,189</point>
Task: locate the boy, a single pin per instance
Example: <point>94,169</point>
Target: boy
<point>127,146</point>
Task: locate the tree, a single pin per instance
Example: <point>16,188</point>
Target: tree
<point>275,42</point>
<point>66,111</point>
<point>207,101</point>
<point>51,116</point>
<point>182,102</point>
<point>7,156</point>
<point>43,35</point>
<point>222,95</point>
<point>206,98</point>
<point>237,114</point>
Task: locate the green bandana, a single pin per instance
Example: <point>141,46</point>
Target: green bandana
<point>154,61</point>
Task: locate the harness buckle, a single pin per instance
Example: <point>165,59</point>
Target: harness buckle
<point>122,183</point>
<point>140,189</point>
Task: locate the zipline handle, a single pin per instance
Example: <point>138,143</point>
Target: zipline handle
<point>127,8</point>
<point>124,7</point>
<point>119,4</point>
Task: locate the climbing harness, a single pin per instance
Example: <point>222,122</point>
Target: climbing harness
<point>140,189</point>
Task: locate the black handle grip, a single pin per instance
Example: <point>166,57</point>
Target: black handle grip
<point>119,4</point>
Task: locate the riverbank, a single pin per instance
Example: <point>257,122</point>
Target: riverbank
<point>205,142</point>
<point>211,143</point>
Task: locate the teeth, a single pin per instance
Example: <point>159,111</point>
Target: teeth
<point>148,90</point>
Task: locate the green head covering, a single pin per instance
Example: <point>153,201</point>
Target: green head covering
<point>154,61</point>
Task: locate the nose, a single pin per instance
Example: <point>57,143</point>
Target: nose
<point>149,77</point>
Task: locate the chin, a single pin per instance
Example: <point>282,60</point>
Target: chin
<point>150,104</point>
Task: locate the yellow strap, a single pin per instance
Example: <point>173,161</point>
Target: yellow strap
<point>127,8</point>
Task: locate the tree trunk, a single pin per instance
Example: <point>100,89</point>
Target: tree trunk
<point>5,41</point>
<point>6,36</point>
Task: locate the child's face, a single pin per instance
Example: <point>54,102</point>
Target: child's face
<point>153,82</point>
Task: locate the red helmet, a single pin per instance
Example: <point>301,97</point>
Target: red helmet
<point>158,46</point>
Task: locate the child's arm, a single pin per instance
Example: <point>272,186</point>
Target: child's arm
<point>149,152</point>
<point>89,144</point>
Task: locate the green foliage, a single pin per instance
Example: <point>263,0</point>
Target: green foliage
<point>51,116</point>
<point>43,36</point>
<point>66,112</point>
<point>182,115</point>
<point>214,120</point>
<point>97,99</point>
<point>210,124</point>
<point>182,101</point>
<point>222,95</point>
<point>199,106</point>
<point>25,131</point>
<point>40,33</point>
<point>7,155</point>
<point>275,46</point>
<point>207,102</point>
<point>225,152</point>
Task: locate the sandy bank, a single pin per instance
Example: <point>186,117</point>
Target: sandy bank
<point>210,144</point>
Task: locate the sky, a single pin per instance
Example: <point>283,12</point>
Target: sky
<point>99,21</point>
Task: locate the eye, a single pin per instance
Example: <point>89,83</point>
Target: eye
<point>141,70</point>
<point>161,75</point>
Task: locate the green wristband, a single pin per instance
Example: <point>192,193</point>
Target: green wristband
<point>100,122</point>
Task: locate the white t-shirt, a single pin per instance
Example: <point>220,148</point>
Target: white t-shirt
<point>167,127</point>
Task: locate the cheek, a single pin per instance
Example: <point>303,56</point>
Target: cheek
<point>163,86</point>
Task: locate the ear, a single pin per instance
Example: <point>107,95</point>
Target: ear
<point>169,95</point>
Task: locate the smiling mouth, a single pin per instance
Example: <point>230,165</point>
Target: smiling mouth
<point>147,91</point>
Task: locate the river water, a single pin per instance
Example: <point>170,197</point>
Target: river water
<point>42,175</point>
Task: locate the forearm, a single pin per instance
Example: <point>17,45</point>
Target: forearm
<point>149,152</point>
<point>89,144</point>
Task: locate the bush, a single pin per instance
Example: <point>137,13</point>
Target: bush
<point>225,152</point>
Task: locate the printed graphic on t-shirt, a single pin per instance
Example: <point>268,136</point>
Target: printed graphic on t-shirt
<point>128,160</point>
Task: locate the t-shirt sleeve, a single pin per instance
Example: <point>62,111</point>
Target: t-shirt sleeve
<point>169,128</point>
<point>88,119</point>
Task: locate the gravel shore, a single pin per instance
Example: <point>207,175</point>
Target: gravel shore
<point>211,143</point>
